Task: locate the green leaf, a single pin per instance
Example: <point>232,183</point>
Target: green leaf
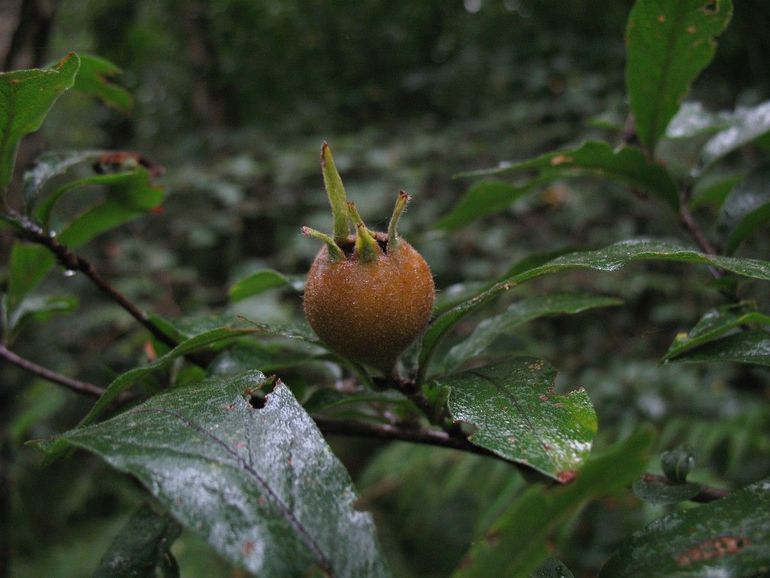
<point>553,568</point>
<point>260,485</point>
<point>746,209</point>
<point>55,449</point>
<point>668,43</point>
<point>744,126</point>
<point>485,198</point>
<point>626,164</point>
<point>49,165</point>
<point>261,281</point>
<point>142,546</point>
<point>26,268</point>
<point>713,189</point>
<point>95,79</point>
<point>611,258</point>
<point>40,308</point>
<point>130,178</point>
<point>518,313</point>
<point>714,324</point>
<point>752,347</point>
<point>692,120</point>
<point>26,96</point>
<point>729,537</point>
<point>657,491</point>
<point>517,415</point>
<point>517,543</point>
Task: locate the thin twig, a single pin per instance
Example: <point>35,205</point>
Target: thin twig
<point>74,262</point>
<point>71,384</point>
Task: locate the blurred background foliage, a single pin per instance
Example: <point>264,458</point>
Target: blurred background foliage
<point>234,98</point>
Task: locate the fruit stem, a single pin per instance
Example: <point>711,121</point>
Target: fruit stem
<point>335,253</point>
<point>398,210</point>
<point>335,190</point>
<point>366,249</point>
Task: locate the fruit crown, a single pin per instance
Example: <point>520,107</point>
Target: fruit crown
<point>366,247</point>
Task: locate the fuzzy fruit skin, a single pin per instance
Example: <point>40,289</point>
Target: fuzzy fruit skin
<point>370,312</point>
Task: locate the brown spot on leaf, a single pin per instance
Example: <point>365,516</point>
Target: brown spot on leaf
<point>492,538</point>
<point>511,440</point>
<point>713,548</point>
<point>229,406</point>
<point>542,397</point>
<point>248,547</point>
<point>536,365</point>
<point>691,29</point>
<point>662,18</point>
<point>566,476</point>
<point>560,160</point>
<point>262,501</point>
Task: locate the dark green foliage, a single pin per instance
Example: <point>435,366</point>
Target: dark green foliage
<point>610,275</point>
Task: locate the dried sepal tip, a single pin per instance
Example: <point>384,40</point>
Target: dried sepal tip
<point>398,210</point>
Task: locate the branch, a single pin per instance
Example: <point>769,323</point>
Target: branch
<point>74,262</point>
<point>71,384</point>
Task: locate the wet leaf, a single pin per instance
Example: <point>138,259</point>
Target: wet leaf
<point>142,547</point>
<point>752,347</point>
<point>40,308</point>
<point>517,543</point>
<point>261,281</point>
<point>260,485</point>
<point>553,568</point>
<point>692,120</point>
<point>746,209</point>
<point>656,491</point>
<point>611,258</point>
<point>714,324</point>
<point>744,126</point>
<point>485,198</point>
<point>668,44</point>
<point>95,79</point>
<point>56,448</point>
<point>729,537</point>
<point>626,164</point>
<point>26,96</point>
<point>49,165</point>
<point>517,415</point>
<point>518,313</point>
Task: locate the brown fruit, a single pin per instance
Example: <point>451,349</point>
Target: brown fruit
<point>370,311</point>
<point>368,295</point>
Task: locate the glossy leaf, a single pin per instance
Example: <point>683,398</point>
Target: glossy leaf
<point>24,274</point>
<point>715,324</point>
<point>40,308</point>
<point>668,44</point>
<point>729,537</point>
<point>656,491</point>
<point>746,209</point>
<point>625,164</point>
<point>142,547</point>
<point>752,347</point>
<point>692,120</point>
<point>43,212</point>
<point>49,165</point>
<point>260,485</point>
<point>517,543</point>
<point>485,198</point>
<point>55,449</point>
<point>261,281</point>
<point>95,79</point>
<point>553,568</point>
<point>745,126</point>
<point>26,96</point>
<point>611,258</point>
<point>518,313</point>
<point>517,415</point>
